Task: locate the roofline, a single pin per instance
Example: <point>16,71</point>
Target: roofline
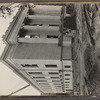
<point>7,33</point>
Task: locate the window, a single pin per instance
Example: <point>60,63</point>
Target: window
<point>57,84</point>
<point>51,66</point>
<point>54,77</point>
<point>43,84</point>
<point>53,73</point>
<point>55,81</point>
<point>35,72</point>
<point>35,36</point>
<point>67,66</point>
<point>53,25</point>
<point>38,77</point>
<point>41,80</point>
<point>37,24</point>
<point>67,74</point>
<point>28,65</point>
<point>52,36</point>
<point>67,87</point>
<point>66,78</point>
<point>66,82</point>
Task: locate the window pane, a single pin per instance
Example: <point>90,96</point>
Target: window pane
<point>67,66</point>
<point>51,66</point>
<point>28,65</point>
<point>35,72</point>
<point>52,36</point>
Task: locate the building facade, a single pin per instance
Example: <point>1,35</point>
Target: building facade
<point>37,49</point>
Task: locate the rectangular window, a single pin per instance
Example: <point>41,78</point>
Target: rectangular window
<point>54,77</point>
<point>52,36</point>
<point>35,36</point>
<point>67,74</point>
<point>38,77</point>
<point>66,82</point>
<point>57,84</point>
<point>35,72</point>
<point>37,24</point>
<point>28,65</point>
<point>53,73</point>
<point>67,66</point>
<point>51,66</point>
<point>55,81</point>
<point>41,80</point>
<point>53,25</point>
<point>67,87</point>
<point>66,78</point>
<point>43,84</point>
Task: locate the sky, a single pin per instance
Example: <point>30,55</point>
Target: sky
<point>9,81</point>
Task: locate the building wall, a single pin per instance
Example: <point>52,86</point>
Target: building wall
<point>35,52</point>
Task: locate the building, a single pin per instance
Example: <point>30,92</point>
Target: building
<point>38,51</point>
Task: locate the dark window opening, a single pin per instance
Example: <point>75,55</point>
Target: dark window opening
<point>67,87</point>
<point>35,72</point>
<point>28,65</point>
<point>66,78</point>
<point>52,36</point>
<point>67,66</point>
<point>41,80</point>
<point>67,74</point>
<point>53,73</point>
<point>51,66</point>
<point>66,82</point>
<point>35,36</point>
<point>37,24</point>
<point>53,25</point>
<point>43,84</point>
<point>54,77</point>
<point>38,77</point>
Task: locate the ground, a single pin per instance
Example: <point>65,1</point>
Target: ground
<point>87,49</point>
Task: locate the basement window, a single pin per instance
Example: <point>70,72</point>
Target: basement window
<point>52,36</point>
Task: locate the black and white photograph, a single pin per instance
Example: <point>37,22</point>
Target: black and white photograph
<point>50,49</point>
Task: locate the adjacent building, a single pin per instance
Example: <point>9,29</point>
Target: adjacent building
<point>38,51</point>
